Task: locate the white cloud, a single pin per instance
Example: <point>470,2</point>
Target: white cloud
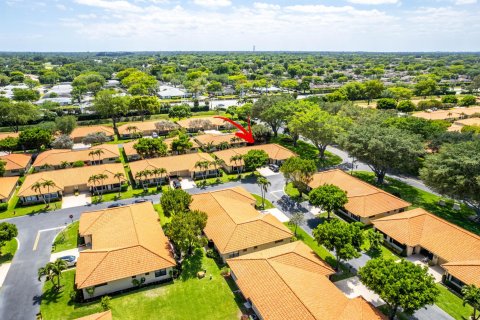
<point>266,6</point>
<point>117,5</point>
<point>374,2</point>
<point>461,2</point>
<point>61,7</point>
<point>213,3</point>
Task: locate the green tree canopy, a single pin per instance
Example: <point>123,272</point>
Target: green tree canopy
<point>108,105</point>
<point>180,111</point>
<point>174,201</point>
<point>8,231</point>
<point>345,238</point>
<point>149,148</point>
<point>273,110</point>
<point>328,197</point>
<point>400,284</point>
<point>254,159</point>
<point>34,138</point>
<point>185,230</point>
<point>298,171</point>
<point>66,124</point>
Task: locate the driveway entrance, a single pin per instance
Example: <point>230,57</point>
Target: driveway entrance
<point>72,201</point>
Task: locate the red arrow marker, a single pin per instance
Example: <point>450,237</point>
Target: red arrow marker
<point>244,134</point>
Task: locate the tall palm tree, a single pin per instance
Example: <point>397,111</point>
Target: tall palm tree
<point>119,176</point>
<point>471,296</point>
<point>134,129</point>
<point>46,166</point>
<point>92,154</point>
<point>223,145</point>
<point>237,160</point>
<point>263,183</point>
<point>209,146</point>
<point>217,162</point>
<point>101,178</point>
<point>93,179</point>
<point>99,153</point>
<point>48,184</point>
<point>139,176</point>
<point>203,166</point>
<point>51,271</point>
<point>38,187</point>
<point>158,172</point>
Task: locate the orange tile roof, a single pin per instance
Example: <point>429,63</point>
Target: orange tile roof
<point>466,271</point>
<point>16,161</point>
<point>233,223</point>
<point>7,185</point>
<point>364,200</point>
<point>216,139</point>
<point>126,241</point>
<point>274,151</point>
<point>4,135</point>
<point>454,113</point>
<point>106,315</point>
<point>444,239</point>
<point>184,162</point>
<point>144,126</point>
<point>185,123</point>
<point>70,177</point>
<point>81,132</point>
<point>55,157</point>
<point>290,282</point>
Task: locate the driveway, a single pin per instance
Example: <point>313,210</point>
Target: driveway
<point>352,288</point>
<point>267,172</point>
<point>278,214</point>
<point>72,201</point>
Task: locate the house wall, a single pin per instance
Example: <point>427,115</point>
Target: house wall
<point>261,247</point>
<point>126,283</point>
<point>39,199</point>
<point>13,173</point>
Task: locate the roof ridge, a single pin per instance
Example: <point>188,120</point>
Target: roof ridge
<point>236,224</point>
<point>8,159</point>
<point>428,214</point>
<point>95,268</point>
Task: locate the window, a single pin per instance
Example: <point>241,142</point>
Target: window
<point>133,277</point>
<point>255,247</point>
<point>147,273</point>
<point>160,273</point>
<point>234,254</point>
<point>279,241</point>
<point>245,250</point>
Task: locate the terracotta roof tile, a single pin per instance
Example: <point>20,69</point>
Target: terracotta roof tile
<point>16,161</point>
<point>173,164</point>
<point>126,241</point>
<point>7,185</point>
<point>448,241</point>
<point>55,157</point>
<point>274,151</point>
<point>466,271</point>
<point>4,135</point>
<point>106,315</point>
<point>216,139</point>
<point>234,224</point>
<point>145,126</point>
<point>185,123</point>
<point>70,177</point>
<point>290,282</point>
<point>81,132</point>
<point>454,113</point>
<point>364,200</point>
<point>130,150</point>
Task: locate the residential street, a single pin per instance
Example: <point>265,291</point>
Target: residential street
<point>37,232</point>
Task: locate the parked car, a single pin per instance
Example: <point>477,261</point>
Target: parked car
<point>70,260</point>
<point>154,135</point>
<point>115,205</point>
<point>140,201</point>
<point>176,184</point>
<point>274,167</point>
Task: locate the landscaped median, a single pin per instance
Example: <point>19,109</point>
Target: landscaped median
<point>205,298</point>
<point>67,238</point>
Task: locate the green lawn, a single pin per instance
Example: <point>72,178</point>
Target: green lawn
<point>293,192</point>
<point>425,200</point>
<point>308,151</point>
<point>16,210</point>
<point>452,304</point>
<point>224,178</point>
<point>183,299</point>
<point>67,238</point>
<point>321,252</point>
<point>129,193</point>
<point>268,204</point>
<point>385,252</point>
<point>163,219</point>
<point>8,251</point>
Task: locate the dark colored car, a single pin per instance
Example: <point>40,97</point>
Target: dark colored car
<point>274,167</point>
<point>115,205</point>
<point>70,260</point>
<point>176,184</point>
<point>140,201</point>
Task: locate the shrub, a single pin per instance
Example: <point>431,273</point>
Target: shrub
<point>386,103</point>
<point>468,101</point>
<point>78,164</point>
<point>429,104</point>
<point>3,207</point>
<point>406,106</point>
<point>105,303</point>
<point>450,99</point>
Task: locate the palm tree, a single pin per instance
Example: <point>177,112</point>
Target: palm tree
<point>209,146</point>
<point>99,153</point>
<point>46,166</point>
<point>223,145</point>
<point>159,172</point>
<point>101,178</point>
<point>217,163</point>
<point>203,165</point>
<point>92,154</point>
<point>236,159</point>
<point>297,219</point>
<point>64,164</point>
<point>263,183</point>
<point>471,296</point>
<point>37,187</point>
<point>51,271</point>
<point>119,176</point>
<point>234,140</point>
<point>139,176</point>
<point>93,180</point>
<point>48,184</point>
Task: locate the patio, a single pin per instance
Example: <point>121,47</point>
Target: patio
<point>436,271</point>
<point>278,214</point>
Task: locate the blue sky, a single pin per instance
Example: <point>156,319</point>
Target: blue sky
<point>334,25</point>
